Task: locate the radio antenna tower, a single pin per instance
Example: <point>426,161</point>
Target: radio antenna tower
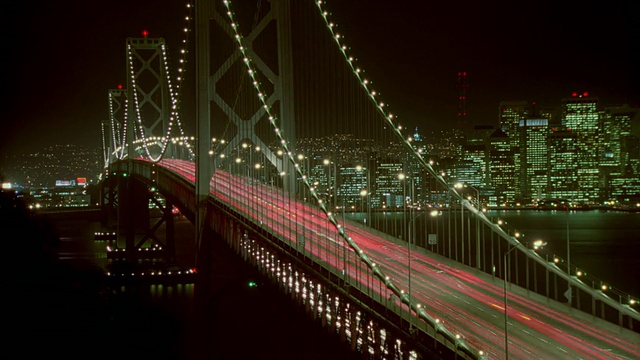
<point>462,98</point>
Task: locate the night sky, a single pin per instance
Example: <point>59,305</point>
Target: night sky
<point>61,58</point>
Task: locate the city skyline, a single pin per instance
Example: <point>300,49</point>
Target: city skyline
<point>528,158</point>
<point>586,48</point>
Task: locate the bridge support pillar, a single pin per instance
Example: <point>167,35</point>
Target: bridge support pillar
<point>108,201</point>
<point>170,239</point>
<point>133,214</point>
<point>204,267</point>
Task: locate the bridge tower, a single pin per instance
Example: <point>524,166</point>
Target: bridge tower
<point>212,32</point>
<point>149,115</point>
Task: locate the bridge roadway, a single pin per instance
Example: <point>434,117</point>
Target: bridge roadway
<point>466,301</point>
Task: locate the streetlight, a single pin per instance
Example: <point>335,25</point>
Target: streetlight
<point>257,166</point>
<point>363,195</point>
<point>568,293</point>
<point>538,244</point>
<point>402,177</point>
<point>330,183</point>
<point>434,214</point>
<point>460,185</point>
<point>360,169</point>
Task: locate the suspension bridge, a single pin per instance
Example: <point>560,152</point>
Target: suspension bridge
<point>302,168</point>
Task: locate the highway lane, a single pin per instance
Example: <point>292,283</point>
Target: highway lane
<point>468,304</point>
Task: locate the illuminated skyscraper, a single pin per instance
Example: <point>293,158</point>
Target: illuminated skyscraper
<point>616,131</point>
<point>562,164</point>
<point>619,154</point>
<point>501,169</point>
<point>416,172</point>
<point>534,158</point>
<point>388,190</point>
<point>580,115</point>
<point>352,180</point>
<point>473,167</point>
<point>510,114</point>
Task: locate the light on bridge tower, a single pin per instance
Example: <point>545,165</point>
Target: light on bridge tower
<point>114,129</point>
<point>151,100</point>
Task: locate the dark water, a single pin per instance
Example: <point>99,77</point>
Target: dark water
<point>604,244</point>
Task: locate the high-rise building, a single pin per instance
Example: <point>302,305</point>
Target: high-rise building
<point>580,115</point>
<point>562,164</point>
<point>510,114</point>
<point>616,130</point>
<point>352,181</point>
<point>473,167</point>
<point>534,168</point>
<point>501,169</point>
<point>388,191</point>
<point>621,182</point>
<point>416,172</point>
